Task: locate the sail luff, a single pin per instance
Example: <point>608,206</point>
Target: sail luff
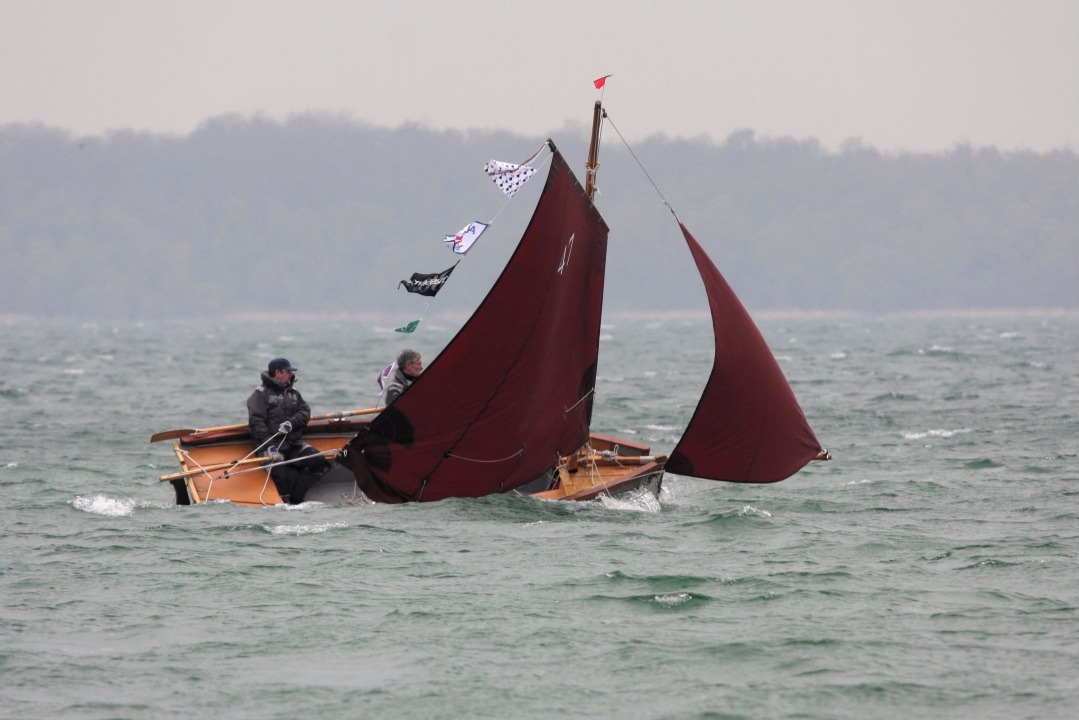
<point>748,426</point>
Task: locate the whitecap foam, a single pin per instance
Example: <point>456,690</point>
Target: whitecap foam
<point>750,510</point>
<point>101,505</point>
<point>638,501</point>
<point>302,529</point>
<point>941,433</point>
<point>673,600</point>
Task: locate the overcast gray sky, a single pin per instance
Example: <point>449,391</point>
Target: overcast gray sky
<point>919,75</point>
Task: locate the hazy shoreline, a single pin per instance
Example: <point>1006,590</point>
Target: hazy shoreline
<point>457,317</point>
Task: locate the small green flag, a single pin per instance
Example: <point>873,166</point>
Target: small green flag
<point>408,328</point>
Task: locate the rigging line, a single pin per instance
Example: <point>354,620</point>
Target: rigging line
<point>641,166</point>
<point>210,486</point>
<point>205,472</point>
<point>508,457</point>
<point>187,454</point>
<point>353,499</point>
<point>226,475</point>
<point>586,395</point>
<point>593,466</point>
<point>328,454</point>
<point>521,165</point>
<point>265,484</point>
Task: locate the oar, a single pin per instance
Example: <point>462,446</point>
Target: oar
<point>212,468</point>
<point>183,432</point>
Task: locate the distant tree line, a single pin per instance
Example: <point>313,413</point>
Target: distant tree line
<point>320,215</point>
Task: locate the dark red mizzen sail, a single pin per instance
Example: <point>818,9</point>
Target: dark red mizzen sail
<point>512,392</point>
<point>748,426</point>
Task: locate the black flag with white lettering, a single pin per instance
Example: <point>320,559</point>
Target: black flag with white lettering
<point>427,284</point>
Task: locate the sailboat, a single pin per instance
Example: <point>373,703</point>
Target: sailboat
<point>507,405</point>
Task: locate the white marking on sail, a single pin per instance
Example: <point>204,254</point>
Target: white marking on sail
<point>567,252</point>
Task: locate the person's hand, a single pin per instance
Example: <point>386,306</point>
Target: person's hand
<point>274,455</point>
<point>286,428</point>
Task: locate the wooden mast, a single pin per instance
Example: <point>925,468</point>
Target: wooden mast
<point>592,165</point>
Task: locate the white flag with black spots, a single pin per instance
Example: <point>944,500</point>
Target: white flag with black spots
<point>508,177</point>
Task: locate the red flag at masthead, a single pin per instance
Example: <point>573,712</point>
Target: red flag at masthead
<point>599,82</point>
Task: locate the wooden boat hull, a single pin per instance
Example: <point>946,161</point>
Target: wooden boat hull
<point>607,466</point>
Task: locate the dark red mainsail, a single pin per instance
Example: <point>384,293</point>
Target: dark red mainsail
<point>512,392</point>
<point>748,426</point>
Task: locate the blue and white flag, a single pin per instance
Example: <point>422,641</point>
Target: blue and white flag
<point>462,241</point>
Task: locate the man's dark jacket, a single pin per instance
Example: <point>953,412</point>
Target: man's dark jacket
<point>272,404</point>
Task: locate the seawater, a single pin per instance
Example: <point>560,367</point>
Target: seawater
<point>929,570</point>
